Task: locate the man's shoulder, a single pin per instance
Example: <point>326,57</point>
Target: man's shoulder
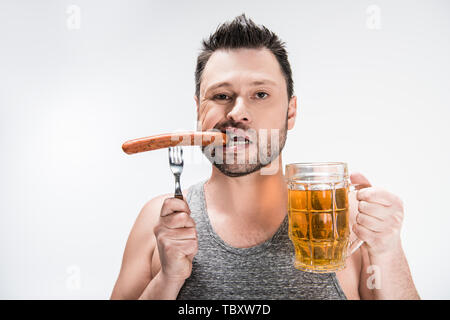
<point>153,206</point>
<point>155,202</point>
<point>350,277</point>
<point>149,214</point>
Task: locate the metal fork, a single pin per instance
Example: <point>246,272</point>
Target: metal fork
<point>176,165</point>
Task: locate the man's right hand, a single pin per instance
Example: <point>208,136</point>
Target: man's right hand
<point>176,238</point>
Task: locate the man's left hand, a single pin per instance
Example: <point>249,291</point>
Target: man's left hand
<point>379,218</point>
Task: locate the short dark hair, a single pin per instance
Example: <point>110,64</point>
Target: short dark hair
<point>242,32</point>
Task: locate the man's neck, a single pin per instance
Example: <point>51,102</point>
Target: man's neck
<point>256,198</point>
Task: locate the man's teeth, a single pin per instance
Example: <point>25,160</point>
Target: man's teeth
<point>238,142</point>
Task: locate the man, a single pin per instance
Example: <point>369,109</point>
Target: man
<point>228,237</point>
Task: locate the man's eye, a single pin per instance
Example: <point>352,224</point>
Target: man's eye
<point>221,96</point>
<point>261,95</point>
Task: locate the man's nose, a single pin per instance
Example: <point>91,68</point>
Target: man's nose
<point>239,112</point>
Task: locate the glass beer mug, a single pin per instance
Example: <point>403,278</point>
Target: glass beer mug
<point>319,222</point>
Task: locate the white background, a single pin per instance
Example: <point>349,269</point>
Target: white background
<point>373,91</point>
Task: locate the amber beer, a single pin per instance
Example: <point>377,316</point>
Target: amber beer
<point>319,233</point>
<point>318,211</point>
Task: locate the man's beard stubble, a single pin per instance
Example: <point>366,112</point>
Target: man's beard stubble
<point>234,167</point>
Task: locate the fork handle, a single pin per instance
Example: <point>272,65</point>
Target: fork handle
<point>179,196</point>
<point>178,193</point>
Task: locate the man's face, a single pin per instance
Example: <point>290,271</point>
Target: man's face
<point>243,93</point>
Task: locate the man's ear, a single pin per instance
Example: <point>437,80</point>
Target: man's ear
<point>292,112</point>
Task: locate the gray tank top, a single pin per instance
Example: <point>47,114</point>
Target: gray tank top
<point>265,271</point>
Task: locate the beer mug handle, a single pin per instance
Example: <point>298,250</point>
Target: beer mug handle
<point>355,244</point>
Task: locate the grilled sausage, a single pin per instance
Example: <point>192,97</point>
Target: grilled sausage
<point>188,138</point>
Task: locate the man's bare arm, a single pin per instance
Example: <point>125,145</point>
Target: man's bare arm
<point>135,273</point>
<point>164,230</point>
<point>385,272</point>
<point>386,277</point>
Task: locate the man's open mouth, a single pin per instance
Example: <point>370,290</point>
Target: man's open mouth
<point>237,141</point>
<point>236,137</point>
